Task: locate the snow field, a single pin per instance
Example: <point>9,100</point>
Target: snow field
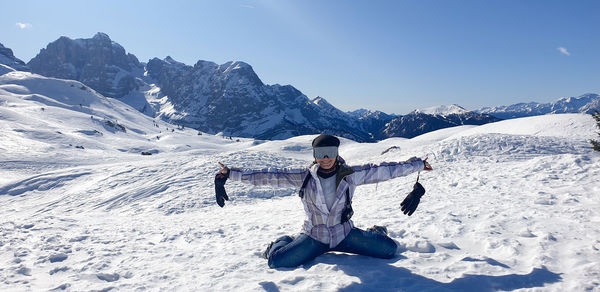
<point>153,224</point>
<point>511,205</point>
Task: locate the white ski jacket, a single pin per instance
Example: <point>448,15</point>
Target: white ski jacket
<point>323,224</point>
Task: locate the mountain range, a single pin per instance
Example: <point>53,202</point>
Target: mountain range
<point>231,99</point>
<point>586,103</point>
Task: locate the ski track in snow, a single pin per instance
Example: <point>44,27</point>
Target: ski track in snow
<point>502,212</point>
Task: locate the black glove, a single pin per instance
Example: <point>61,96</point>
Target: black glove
<point>220,180</point>
<point>410,203</point>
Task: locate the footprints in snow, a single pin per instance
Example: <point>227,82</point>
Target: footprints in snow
<point>59,257</point>
<point>60,269</point>
<point>108,277</point>
<point>43,247</point>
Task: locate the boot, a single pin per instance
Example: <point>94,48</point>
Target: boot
<point>378,229</point>
<point>265,253</point>
<point>278,244</point>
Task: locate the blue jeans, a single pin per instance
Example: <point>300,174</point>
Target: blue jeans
<point>288,252</point>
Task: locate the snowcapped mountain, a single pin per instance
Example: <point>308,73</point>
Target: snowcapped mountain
<point>372,121</point>
<point>230,98</point>
<point>98,62</point>
<point>430,119</point>
<point>583,104</point>
<point>10,62</point>
<point>442,110</point>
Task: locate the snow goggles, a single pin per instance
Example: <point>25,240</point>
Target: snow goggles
<point>328,151</point>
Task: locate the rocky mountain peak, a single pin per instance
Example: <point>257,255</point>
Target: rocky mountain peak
<point>98,62</point>
<point>242,72</point>
<point>100,36</point>
<point>170,60</point>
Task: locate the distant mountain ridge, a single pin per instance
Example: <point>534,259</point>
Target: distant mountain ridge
<point>421,121</point>
<point>231,99</point>
<point>582,104</point>
<point>443,110</point>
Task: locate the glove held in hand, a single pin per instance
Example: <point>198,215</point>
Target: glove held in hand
<point>410,203</point>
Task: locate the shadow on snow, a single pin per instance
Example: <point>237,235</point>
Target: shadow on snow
<point>379,275</point>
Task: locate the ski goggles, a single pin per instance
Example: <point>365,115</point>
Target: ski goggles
<point>328,151</point>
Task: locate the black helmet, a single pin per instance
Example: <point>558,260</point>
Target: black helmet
<point>325,140</point>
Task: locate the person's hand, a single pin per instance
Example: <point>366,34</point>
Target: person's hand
<point>427,165</point>
<point>224,170</point>
<point>220,179</point>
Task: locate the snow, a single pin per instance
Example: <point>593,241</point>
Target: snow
<point>442,110</point>
<point>572,126</point>
<point>511,205</point>
<point>4,68</point>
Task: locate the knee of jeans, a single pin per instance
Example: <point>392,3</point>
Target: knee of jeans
<point>285,238</point>
<point>391,249</point>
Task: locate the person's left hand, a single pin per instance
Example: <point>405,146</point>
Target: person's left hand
<point>427,165</point>
<point>224,169</point>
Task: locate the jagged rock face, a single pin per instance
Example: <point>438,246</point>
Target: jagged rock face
<point>415,124</point>
<point>98,62</point>
<point>230,98</point>
<point>8,58</point>
<point>583,104</point>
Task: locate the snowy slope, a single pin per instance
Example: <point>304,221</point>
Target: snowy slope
<point>510,205</point>
<point>58,122</point>
<point>5,69</point>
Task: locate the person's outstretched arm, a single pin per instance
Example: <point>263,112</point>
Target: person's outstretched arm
<point>373,173</point>
<point>277,177</point>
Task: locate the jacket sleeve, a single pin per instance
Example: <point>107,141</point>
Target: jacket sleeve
<point>372,173</point>
<point>286,177</point>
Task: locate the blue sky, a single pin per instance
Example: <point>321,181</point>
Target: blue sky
<point>393,56</point>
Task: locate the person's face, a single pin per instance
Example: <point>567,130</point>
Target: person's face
<point>326,163</point>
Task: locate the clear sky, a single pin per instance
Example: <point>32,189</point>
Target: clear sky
<point>393,56</point>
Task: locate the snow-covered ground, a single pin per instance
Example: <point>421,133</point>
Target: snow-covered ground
<point>510,205</point>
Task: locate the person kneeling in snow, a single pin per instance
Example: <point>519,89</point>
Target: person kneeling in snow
<point>327,188</point>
